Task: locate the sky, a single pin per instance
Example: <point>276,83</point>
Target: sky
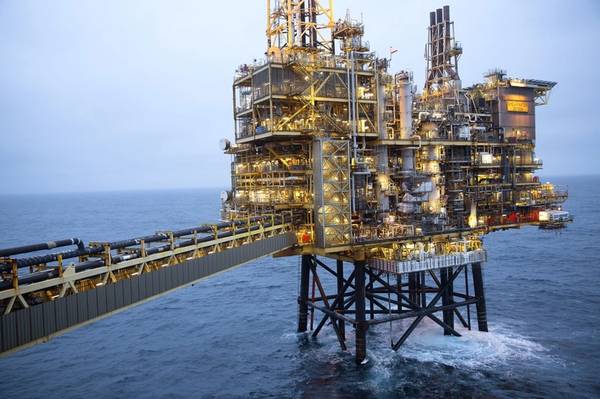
<point>135,94</point>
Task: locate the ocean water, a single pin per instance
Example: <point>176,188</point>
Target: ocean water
<point>233,335</point>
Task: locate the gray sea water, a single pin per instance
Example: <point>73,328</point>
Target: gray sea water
<point>233,335</point>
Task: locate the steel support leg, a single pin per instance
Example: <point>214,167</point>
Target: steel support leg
<point>423,290</point>
<point>467,293</point>
<point>399,291</point>
<point>371,307</point>
<point>448,315</point>
<point>340,295</point>
<point>361,322</point>
<point>450,296</point>
<point>417,279</point>
<point>443,283</point>
<point>303,296</point>
<point>412,288</point>
<point>480,295</point>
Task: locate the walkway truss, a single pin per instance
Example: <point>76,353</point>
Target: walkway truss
<point>43,296</point>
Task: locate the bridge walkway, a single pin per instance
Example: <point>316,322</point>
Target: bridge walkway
<point>110,277</point>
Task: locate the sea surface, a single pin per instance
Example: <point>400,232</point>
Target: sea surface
<point>233,335</point>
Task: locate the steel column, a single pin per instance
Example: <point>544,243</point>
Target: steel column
<point>303,295</point>
<point>361,323</point>
<point>340,295</point>
<point>450,296</point>
<point>467,295</point>
<point>412,288</point>
<point>480,295</point>
<point>371,308</point>
<point>423,290</point>
<point>399,291</point>
<point>448,315</point>
<point>443,283</point>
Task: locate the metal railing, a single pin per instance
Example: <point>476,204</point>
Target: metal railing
<point>52,277</point>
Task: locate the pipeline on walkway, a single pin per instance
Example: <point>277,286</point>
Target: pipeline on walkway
<point>167,240</point>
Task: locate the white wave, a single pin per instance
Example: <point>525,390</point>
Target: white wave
<point>427,344</point>
<point>473,349</point>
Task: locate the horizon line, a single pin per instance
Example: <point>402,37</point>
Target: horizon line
<point>133,190</point>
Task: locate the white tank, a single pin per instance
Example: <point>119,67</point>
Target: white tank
<point>405,99</point>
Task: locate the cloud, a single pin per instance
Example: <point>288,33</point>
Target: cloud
<point>110,95</point>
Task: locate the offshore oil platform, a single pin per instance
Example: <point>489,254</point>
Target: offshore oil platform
<point>334,158</point>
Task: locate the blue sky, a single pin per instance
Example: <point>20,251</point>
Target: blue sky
<point>135,94</point>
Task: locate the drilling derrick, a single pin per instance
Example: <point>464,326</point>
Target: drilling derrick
<point>303,26</point>
<point>401,184</point>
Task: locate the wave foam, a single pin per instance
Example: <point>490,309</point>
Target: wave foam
<point>474,349</point>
